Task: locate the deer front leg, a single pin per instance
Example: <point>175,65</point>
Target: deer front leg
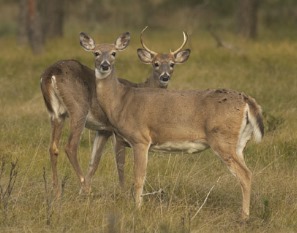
<point>98,146</point>
<point>120,155</point>
<point>71,149</point>
<point>140,152</point>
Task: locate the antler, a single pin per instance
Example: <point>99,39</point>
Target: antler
<point>183,44</point>
<point>143,45</point>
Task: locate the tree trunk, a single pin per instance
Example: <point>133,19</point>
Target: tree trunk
<point>22,36</point>
<point>35,36</point>
<point>247,18</point>
<point>53,12</point>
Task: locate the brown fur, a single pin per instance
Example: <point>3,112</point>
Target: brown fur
<point>177,120</point>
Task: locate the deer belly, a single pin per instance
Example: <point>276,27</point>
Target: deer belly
<point>185,146</point>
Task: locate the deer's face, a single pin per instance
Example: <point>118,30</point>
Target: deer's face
<point>163,65</point>
<point>104,58</point>
<point>104,53</point>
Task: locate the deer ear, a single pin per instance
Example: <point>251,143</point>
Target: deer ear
<point>86,42</point>
<point>123,41</point>
<point>182,56</point>
<point>145,56</point>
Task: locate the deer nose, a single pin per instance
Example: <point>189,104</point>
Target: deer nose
<point>165,77</point>
<point>105,66</point>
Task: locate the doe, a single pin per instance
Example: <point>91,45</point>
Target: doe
<point>191,121</point>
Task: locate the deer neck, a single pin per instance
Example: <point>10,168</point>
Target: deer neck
<point>150,82</point>
<point>110,92</point>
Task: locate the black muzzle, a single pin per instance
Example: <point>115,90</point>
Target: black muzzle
<point>165,77</point>
<point>105,66</point>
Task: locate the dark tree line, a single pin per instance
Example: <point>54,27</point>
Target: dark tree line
<point>40,20</point>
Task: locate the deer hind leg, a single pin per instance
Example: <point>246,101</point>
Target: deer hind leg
<point>238,168</point>
<point>98,146</point>
<point>56,127</point>
<point>244,175</point>
<point>71,149</point>
<point>140,152</point>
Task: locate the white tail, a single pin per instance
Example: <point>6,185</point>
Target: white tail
<point>68,89</point>
<point>190,121</point>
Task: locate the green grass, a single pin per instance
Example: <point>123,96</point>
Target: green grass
<point>264,69</point>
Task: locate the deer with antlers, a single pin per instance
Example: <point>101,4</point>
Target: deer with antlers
<point>69,90</point>
<point>191,121</point>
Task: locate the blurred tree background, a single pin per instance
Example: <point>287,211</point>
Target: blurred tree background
<point>34,22</point>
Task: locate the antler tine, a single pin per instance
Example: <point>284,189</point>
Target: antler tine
<point>183,44</point>
<point>143,45</point>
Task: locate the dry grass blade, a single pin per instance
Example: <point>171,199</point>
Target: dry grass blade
<point>200,208</point>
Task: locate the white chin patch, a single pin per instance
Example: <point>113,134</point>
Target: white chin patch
<point>101,74</point>
<point>164,84</point>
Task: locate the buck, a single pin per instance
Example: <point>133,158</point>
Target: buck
<point>69,90</point>
<point>189,121</point>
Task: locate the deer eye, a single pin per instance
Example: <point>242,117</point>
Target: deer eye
<point>97,54</point>
<point>171,65</point>
<point>156,64</point>
<point>113,54</point>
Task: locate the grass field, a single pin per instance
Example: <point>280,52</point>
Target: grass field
<point>264,69</point>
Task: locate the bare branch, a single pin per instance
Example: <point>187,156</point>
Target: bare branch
<point>221,43</point>
<point>6,189</point>
<point>160,191</point>
<point>205,199</point>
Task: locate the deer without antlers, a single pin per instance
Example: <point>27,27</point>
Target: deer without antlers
<point>192,121</point>
<point>68,89</point>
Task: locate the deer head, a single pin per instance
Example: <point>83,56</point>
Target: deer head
<point>104,53</point>
<point>163,64</point>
